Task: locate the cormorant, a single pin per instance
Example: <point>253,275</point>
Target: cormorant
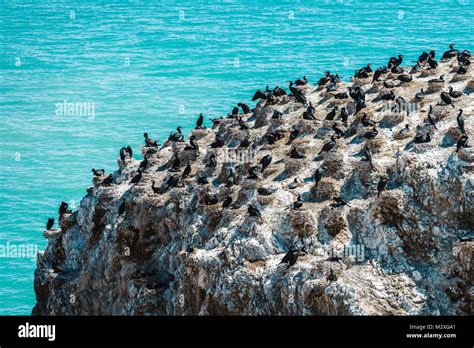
<point>121,208</point>
<point>318,174</point>
<point>155,189</point>
<point>451,53</point>
<point>186,171</point>
<point>388,96</point>
<point>331,277</point>
<point>253,172</point>
<point>344,114</point>
<point>339,202</point>
<point>423,138</point>
<point>218,142</point>
<point>460,121</point>
<point>49,224</point>
<point>395,61</point>
<point>366,122</point>
<point>301,82</point>
<point>276,114</point>
<point>454,94</point>
<point>431,119</point>
<point>293,135</point>
<point>265,162</point>
<point>199,121</point>
<point>108,180</point>
<point>337,130</point>
<point>371,134</point>
<point>176,136</point>
<point>332,113</point>
<point>462,142</point>
<point>212,161</point>
<point>381,185</point>
<point>202,179</point>
<point>253,211</point>
<point>292,256</point>
<point>98,172</point>
<point>446,99</point>
<point>405,78</point>
<point>172,181</point>
<point>150,142</point>
<point>137,177</point>
<point>329,145</point>
<point>245,108</point>
<point>298,203</point>
<point>294,153</point>
<point>265,191</point>
<point>143,164</point>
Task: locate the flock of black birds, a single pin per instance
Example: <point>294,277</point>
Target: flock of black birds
<point>329,82</point>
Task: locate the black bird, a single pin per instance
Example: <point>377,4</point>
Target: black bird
<point>381,185</point>
<point>420,95</point>
<point>325,79</point>
<point>339,202</point>
<point>210,199</point>
<point>245,143</point>
<point>296,182</point>
<point>276,115</point>
<point>150,142</point>
<point>446,99</point>
<point>245,108</point>
<point>271,138</point>
<point>388,96</point>
<point>193,142</point>
<point>176,136</point>
<point>155,189</point>
<point>368,155</point>
<point>202,179</point>
<point>108,180</point>
<point>292,256</point>
<point>460,121</point>
<point>462,142</point>
<point>175,164</point>
<point>366,122</point>
<point>395,61</point>
<point>451,53</point>
<point>186,171</point>
<point>265,162</point>
<point>129,151</point>
<point>143,164</point>
<point>235,111</point>
<point>253,172</point>
<point>212,161</point>
<point>264,191</point>
<point>388,84</point>
<point>371,134</point>
<point>123,154</point>
<point>216,121</point>
<point>431,119</point>
<point>342,95</point>
<point>226,202</point>
<point>294,153</point>
<point>344,115</point>
<point>137,177</point>
<point>331,277</point>
<point>98,172</point>
<point>298,203</point>
<point>359,106</point>
<point>405,78</point>
<point>423,138</point>
<point>254,212</point>
<point>63,209</point>
<point>332,113</point>
<point>377,74</point>
<point>121,208</point>
<point>172,181</point>
<point>199,121</point>
<point>329,145</point>
<point>423,57</point>
<point>218,142</point>
<point>432,63</point>
<point>259,95</point>
<point>278,91</point>
<point>454,94</point>
<point>301,82</point>
<point>357,94</point>
<point>337,130</point>
<point>49,224</point>
<point>318,174</point>
<point>293,135</point>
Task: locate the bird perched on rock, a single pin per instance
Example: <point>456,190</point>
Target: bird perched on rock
<point>98,172</point>
<point>150,142</point>
<point>292,256</point>
<point>254,212</point>
<point>137,177</point>
<point>460,121</point>
<point>186,171</point>
<point>199,121</point>
<point>265,162</point>
<point>298,203</point>
<point>49,224</point>
<point>318,174</point>
<point>381,185</point>
<point>331,277</point>
<point>264,191</point>
<point>339,202</point>
<point>462,142</point>
<point>329,145</point>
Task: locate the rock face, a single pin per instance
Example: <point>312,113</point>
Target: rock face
<point>408,251</point>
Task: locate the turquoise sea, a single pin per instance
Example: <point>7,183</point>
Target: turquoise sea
<point>153,65</point>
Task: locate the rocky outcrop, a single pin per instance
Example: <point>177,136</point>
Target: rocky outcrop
<point>407,251</point>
